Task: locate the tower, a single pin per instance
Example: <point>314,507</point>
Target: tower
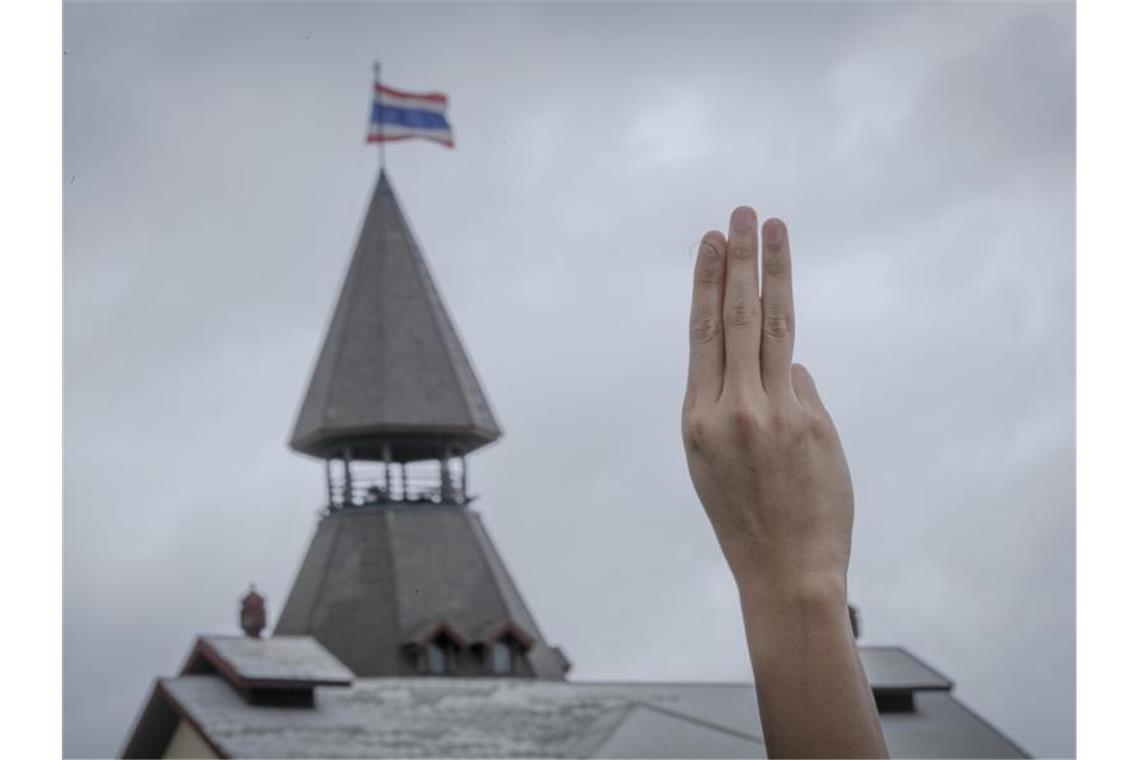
<point>401,577</point>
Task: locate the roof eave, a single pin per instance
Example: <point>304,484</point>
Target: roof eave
<point>365,441</point>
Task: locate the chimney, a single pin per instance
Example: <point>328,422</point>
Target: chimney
<point>252,613</point>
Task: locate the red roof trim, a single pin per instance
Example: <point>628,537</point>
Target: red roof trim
<point>434,631</point>
<point>508,627</point>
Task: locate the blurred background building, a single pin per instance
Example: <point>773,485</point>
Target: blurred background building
<point>404,634</point>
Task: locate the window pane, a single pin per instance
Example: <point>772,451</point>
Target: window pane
<point>436,662</point>
<point>500,658</point>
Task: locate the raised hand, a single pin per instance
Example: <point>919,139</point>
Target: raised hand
<point>768,466</point>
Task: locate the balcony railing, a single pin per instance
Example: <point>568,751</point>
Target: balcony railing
<point>370,483</point>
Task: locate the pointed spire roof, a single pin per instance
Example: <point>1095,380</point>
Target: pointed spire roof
<point>380,581</point>
<point>392,370</point>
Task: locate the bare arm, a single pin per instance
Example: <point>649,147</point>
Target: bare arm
<point>769,469</point>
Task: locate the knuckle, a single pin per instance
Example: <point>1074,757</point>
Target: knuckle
<point>741,250</point>
<point>787,422</point>
<point>694,431</point>
<point>710,263</point>
<point>776,262</point>
<point>705,329</point>
<point>741,313</point>
<point>777,325</point>
<point>819,424</point>
<point>688,404</point>
<point>745,421</point>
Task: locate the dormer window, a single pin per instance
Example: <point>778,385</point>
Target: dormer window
<point>501,658</point>
<point>503,646</point>
<point>435,658</point>
<point>435,653</point>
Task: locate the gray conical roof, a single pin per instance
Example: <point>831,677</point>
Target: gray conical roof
<point>392,369</point>
<point>378,580</point>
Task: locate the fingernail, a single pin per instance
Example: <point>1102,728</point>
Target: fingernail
<point>743,219</point>
<point>773,233</point>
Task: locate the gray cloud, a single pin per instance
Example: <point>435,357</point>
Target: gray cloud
<point>923,156</point>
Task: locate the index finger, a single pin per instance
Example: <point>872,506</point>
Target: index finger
<point>706,328</point>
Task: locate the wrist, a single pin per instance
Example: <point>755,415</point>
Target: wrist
<point>819,595</point>
<point>783,620</point>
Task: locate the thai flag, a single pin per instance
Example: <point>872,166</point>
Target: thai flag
<point>398,115</point>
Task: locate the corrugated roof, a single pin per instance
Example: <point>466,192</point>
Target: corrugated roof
<point>392,368</point>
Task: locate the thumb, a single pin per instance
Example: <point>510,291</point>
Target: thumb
<point>804,387</point>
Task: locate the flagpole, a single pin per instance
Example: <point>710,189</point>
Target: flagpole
<point>380,122</point>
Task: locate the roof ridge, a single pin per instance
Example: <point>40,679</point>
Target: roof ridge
<point>617,715</point>
<point>324,575</point>
<point>348,294</point>
<point>474,524</point>
<point>699,721</point>
<point>341,306</point>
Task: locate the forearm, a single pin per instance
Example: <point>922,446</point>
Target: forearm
<point>813,694</point>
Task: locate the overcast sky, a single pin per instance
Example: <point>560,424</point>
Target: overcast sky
<point>215,178</point>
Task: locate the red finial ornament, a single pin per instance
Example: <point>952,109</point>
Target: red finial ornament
<point>253,613</point>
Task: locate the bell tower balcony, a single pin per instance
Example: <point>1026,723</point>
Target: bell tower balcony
<point>360,483</point>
